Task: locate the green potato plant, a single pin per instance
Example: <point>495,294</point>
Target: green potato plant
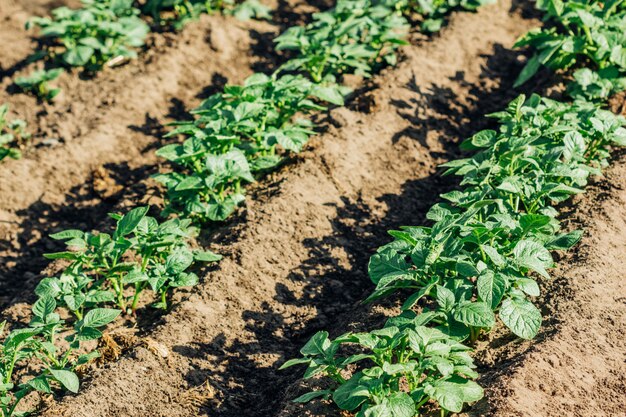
<point>177,13</point>
<point>353,37</point>
<point>477,257</point>
<point>596,86</point>
<point>37,84</point>
<point>434,12</point>
<point>238,133</point>
<point>92,36</point>
<point>584,31</point>
<point>13,135</point>
<point>115,269</point>
<point>47,363</point>
<point>396,371</point>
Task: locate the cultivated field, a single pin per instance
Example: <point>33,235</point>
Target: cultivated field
<point>351,210</point>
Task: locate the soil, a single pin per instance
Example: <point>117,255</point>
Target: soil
<point>295,258</point>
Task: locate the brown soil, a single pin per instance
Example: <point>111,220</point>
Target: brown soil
<point>295,259</point>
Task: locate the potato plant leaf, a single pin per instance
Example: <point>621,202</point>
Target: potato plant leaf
<point>521,316</point>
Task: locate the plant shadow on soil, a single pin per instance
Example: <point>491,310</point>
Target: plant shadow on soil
<point>333,290</point>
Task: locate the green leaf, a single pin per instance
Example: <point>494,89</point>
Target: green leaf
<point>533,221</point>
<point>415,297</point>
<point>99,317</point>
<point>491,288</point>
<point>185,280</point>
<point>72,256</point>
<point>452,393</point>
<point>565,241</point>
<point>530,69</point>
<point>397,404</point>
<point>130,221</point>
<point>78,56</point>
<point>350,395</point>
<point>44,306</point>
<point>476,314</point>
<point>206,256</point>
<point>387,264</point>
<point>179,260</point>
<point>305,398</point>
<point>466,269</point>
<point>68,234</point>
<point>445,298</point>
<point>317,345</point>
<point>68,379</point>
<point>534,256</point>
<point>329,94</point>
<point>497,259</point>
<point>293,362</point>
<point>529,286</point>
<point>521,316</point>
<point>39,384</point>
<point>88,333</point>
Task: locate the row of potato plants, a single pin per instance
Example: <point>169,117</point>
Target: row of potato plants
<point>105,274</point>
<point>108,32</point>
<point>247,130</point>
<point>101,33</point>
<point>491,239</point>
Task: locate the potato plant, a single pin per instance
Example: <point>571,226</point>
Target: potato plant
<point>434,12</point>
<point>37,84</point>
<point>47,359</point>
<point>353,37</point>
<point>177,13</point>
<point>241,132</point>
<point>116,268</point>
<point>583,31</point>
<point>396,370</point>
<point>13,135</point>
<point>93,35</point>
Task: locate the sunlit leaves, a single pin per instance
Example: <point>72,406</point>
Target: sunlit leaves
<point>432,365</point>
<point>238,134</point>
<point>95,34</point>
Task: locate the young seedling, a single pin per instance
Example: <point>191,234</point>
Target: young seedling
<point>584,30</point>
<point>354,37</point>
<point>115,269</point>
<point>37,350</point>
<point>94,35</point>
<point>13,135</point>
<point>37,84</point>
<point>396,371</point>
<point>596,86</point>
<point>434,12</point>
<point>177,13</point>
